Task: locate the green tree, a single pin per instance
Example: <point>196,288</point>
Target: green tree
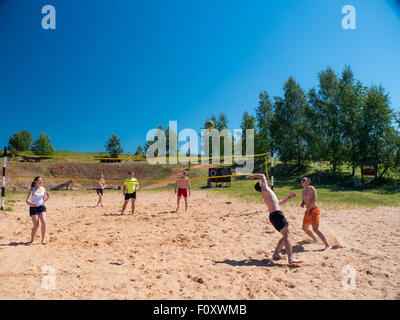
<point>220,124</point>
<point>379,138</point>
<point>248,122</point>
<point>42,145</point>
<point>390,151</point>
<point>264,114</point>
<point>113,146</point>
<point>20,141</point>
<point>288,129</point>
<point>350,98</point>
<point>139,151</point>
<point>325,119</point>
<point>174,136</point>
<point>160,150</point>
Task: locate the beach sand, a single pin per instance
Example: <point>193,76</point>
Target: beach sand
<point>220,249</point>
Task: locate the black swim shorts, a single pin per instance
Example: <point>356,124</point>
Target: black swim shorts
<point>99,191</point>
<point>278,220</point>
<point>36,210</point>
<point>130,196</point>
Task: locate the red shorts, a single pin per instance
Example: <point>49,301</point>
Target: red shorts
<point>182,193</point>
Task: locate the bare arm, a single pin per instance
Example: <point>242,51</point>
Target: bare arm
<point>137,187</point>
<point>258,176</point>
<point>124,189</point>
<point>190,187</point>
<point>283,201</point>
<point>46,196</point>
<point>27,199</point>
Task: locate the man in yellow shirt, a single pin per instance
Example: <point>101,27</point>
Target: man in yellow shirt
<point>131,185</point>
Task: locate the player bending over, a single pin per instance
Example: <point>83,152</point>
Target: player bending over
<point>276,216</point>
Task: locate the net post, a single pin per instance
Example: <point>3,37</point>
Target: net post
<point>3,187</point>
<point>189,152</point>
<point>272,169</point>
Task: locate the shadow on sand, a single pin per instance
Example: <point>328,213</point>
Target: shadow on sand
<point>295,249</point>
<point>16,244</point>
<point>249,213</point>
<point>251,263</point>
<point>167,212</point>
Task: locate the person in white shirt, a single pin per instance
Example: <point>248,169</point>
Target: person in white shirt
<point>36,198</point>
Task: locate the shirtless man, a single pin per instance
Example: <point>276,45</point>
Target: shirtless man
<point>276,217</point>
<point>312,214</point>
<point>182,185</point>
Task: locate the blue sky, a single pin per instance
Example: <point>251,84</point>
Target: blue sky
<point>125,66</point>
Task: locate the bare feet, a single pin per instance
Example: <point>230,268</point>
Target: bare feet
<point>276,257</point>
<point>327,247</point>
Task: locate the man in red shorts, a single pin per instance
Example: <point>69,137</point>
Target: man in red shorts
<point>182,185</point>
<point>312,214</point>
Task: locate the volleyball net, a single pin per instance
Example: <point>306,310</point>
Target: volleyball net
<point>66,167</point>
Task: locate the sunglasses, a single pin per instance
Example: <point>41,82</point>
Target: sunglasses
<point>303,180</point>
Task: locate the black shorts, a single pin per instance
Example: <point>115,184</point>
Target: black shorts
<point>36,210</point>
<point>130,196</point>
<point>278,220</point>
<point>99,191</point>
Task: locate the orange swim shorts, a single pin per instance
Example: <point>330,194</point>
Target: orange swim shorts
<point>313,217</point>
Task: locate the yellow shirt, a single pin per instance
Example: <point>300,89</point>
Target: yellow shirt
<point>131,185</point>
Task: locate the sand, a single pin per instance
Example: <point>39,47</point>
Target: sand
<point>220,249</point>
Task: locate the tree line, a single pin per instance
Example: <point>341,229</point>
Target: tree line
<point>23,141</point>
<point>340,122</point>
